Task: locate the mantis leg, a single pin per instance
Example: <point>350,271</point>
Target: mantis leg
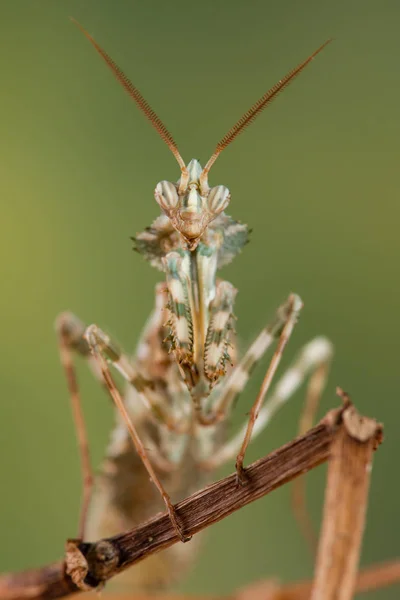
<point>295,304</point>
<point>99,343</point>
<point>236,382</point>
<point>70,333</point>
<point>313,359</point>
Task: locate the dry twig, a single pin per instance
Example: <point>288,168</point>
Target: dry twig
<point>345,506</point>
<point>89,565</point>
<point>196,512</point>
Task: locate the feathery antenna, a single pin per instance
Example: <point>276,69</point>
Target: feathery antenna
<point>256,109</point>
<point>134,93</point>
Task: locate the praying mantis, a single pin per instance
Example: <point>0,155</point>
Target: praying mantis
<point>185,377</point>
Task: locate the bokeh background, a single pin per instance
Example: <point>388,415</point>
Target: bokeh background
<point>316,177</point>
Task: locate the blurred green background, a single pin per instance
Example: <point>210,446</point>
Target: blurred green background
<point>316,177</point>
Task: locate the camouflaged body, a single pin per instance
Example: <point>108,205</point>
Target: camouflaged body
<point>200,306</point>
<point>178,396</point>
<point>124,494</point>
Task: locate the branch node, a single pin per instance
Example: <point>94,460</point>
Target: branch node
<point>90,565</point>
<point>76,565</point>
<point>361,428</point>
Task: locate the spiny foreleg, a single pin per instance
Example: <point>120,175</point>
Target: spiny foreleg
<point>218,339</point>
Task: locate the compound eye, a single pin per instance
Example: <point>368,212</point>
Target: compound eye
<point>166,195</point>
<point>218,199</point>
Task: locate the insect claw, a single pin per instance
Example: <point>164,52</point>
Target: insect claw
<point>174,520</point>
<point>241,475</point>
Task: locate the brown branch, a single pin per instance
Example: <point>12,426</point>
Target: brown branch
<point>345,506</point>
<point>89,565</point>
<point>197,512</point>
<point>371,578</point>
